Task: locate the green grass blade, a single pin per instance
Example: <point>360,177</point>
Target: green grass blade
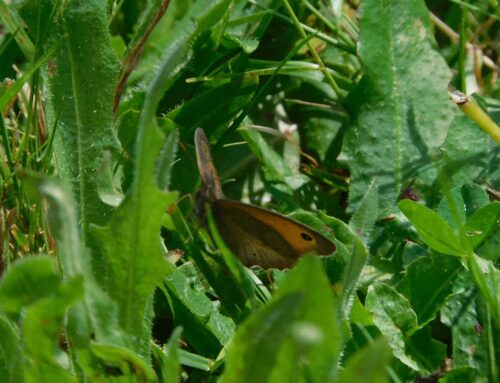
<point>13,89</point>
<point>14,24</point>
<point>169,358</point>
<point>11,354</point>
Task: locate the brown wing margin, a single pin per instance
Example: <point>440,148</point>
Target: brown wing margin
<point>209,177</point>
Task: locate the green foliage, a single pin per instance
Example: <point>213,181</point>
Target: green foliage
<point>108,274</point>
<point>205,328</point>
<point>298,323</point>
<point>402,117</point>
<point>168,358</point>
<point>36,299</point>
<point>432,228</point>
<point>80,105</point>
<point>367,365</point>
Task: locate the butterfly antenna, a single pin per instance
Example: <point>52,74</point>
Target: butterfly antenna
<point>212,188</point>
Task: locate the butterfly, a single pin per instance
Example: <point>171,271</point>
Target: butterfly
<point>257,236</point>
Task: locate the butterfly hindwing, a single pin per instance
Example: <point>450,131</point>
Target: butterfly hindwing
<point>279,240</point>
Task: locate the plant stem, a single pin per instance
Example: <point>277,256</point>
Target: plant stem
<point>476,114</point>
<point>315,54</point>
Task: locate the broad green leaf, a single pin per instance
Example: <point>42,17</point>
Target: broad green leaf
<point>131,241</point>
<point>81,80</point>
<point>277,172</point>
<point>433,229</point>
<point>345,240</point>
<point>460,375</point>
<point>287,366</point>
<point>368,364</point>
<point>429,352</point>
<point>214,108</point>
<point>11,357</point>
<point>97,315</point>
<point>133,254</point>
<point>341,230</point>
<point>483,223</point>
<point>316,334</point>
<point>206,329</point>
<point>253,350</point>
<point>29,280</point>
<point>469,154</point>
<point>323,133</point>
<point>300,320</point>
<point>166,159</point>
<point>427,284</point>
<point>394,317</point>
<point>132,368</point>
<point>469,339</point>
<point>33,288</point>
<point>41,328</point>
<point>359,314</point>
<point>401,114</point>
<point>363,219</point>
<point>466,199</point>
<point>452,208</point>
<point>487,279</point>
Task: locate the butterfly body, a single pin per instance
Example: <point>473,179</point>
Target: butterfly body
<point>256,235</point>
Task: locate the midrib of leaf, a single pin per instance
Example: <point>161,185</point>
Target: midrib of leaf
<point>433,298</point>
<point>82,202</point>
<point>134,260</point>
<point>393,326</point>
<point>135,247</point>
<point>81,89</point>
<point>422,359</point>
<point>395,48</point>
<point>396,98</point>
<point>140,183</point>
